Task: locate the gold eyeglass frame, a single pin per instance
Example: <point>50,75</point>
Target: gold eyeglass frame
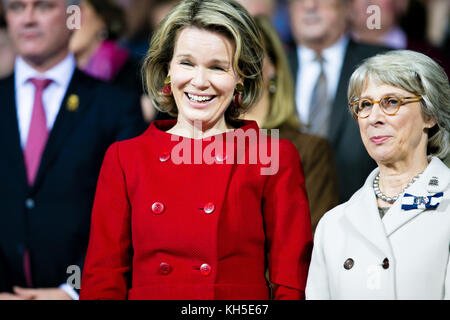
<point>401,102</point>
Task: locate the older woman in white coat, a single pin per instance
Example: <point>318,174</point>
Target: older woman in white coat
<point>391,239</point>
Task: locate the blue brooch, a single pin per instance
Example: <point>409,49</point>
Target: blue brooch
<point>410,202</point>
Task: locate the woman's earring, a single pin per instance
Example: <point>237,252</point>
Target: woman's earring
<point>272,85</point>
<point>167,89</point>
<point>237,96</point>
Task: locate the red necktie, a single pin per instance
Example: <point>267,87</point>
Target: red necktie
<point>37,138</point>
<point>38,133</point>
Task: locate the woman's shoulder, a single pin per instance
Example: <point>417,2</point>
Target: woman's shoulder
<point>132,145</point>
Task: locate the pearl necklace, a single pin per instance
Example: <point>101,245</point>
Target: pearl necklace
<point>384,197</point>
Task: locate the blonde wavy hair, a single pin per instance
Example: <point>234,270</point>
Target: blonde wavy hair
<point>225,17</point>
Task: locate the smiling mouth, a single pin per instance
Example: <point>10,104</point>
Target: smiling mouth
<point>379,139</point>
<point>199,98</point>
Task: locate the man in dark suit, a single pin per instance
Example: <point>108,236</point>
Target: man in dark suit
<point>55,126</point>
<point>322,62</point>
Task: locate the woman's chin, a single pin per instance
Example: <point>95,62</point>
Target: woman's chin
<point>382,155</point>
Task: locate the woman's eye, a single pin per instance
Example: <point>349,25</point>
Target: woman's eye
<point>186,63</point>
<point>218,68</point>
<point>393,101</point>
<point>365,104</point>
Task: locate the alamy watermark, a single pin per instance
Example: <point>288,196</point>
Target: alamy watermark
<point>73,22</point>
<point>374,20</point>
<point>74,279</point>
<point>250,146</point>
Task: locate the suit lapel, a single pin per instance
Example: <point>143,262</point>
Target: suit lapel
<point>396,218</point>
<point>339,110</point>
<point>293,63</point>
<point>76,101</point>
<point>9,129</point>
<point>361,212</point>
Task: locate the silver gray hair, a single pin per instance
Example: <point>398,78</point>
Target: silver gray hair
<point>418,74</point>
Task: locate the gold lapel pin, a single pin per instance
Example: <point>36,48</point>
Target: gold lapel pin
<point>73,102</point>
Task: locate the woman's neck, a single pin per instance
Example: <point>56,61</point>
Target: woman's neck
<point>259,111</point>
<point>84,56</point>
<point>394,177</point>
<point>198,129</point>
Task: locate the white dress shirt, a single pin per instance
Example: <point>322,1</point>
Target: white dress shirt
<point>309,70</point>
<point>52,98</point>
<point>53,95</point>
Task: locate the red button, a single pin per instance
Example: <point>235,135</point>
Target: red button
<point>221,157</point>
<point>165,268</point>
<point>209,208</point>
<point>164,157</point>
<point>157,208</point>
<point>205,269</point>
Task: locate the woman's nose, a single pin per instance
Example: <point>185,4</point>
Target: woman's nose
<point>200,79</point>
<point>376,114</point>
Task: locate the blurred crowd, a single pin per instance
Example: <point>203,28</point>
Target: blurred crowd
<point>115,34</point>
<point>421,25</point>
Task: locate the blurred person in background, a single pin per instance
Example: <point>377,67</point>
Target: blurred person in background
<point>322,63</point>
<point>7,53</point>
<point>276,10</point>
<point>96,48</point>
<point>160,9</point>
<point>390,32</point>
<point>138,33</point>
<point>260,7</point>
<point>276,109</point>
<point>56,123</point>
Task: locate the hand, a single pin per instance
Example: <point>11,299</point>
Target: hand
<point>9,296</point>
<point>41,294</point>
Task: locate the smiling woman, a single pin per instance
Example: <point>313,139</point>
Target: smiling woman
<point>373,246</point>
<point>203,79</point>
<point>169,229</point>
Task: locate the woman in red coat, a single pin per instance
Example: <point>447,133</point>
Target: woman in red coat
<point>199,207</point>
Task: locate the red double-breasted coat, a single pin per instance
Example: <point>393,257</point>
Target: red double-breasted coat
<point>165,230</point>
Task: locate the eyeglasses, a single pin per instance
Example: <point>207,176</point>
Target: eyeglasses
<point>390,105</point>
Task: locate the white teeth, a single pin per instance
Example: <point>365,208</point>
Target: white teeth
<point>199,98</point>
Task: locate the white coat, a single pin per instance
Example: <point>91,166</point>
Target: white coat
<point>405,255</point>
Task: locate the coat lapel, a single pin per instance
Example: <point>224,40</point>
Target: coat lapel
<point>9,130</point>
<point>396,218</point>
<point>361,212</point>
<point>76,101</point>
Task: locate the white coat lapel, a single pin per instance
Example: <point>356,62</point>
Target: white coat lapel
<point>434,179</point>
<point>362,212</point>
